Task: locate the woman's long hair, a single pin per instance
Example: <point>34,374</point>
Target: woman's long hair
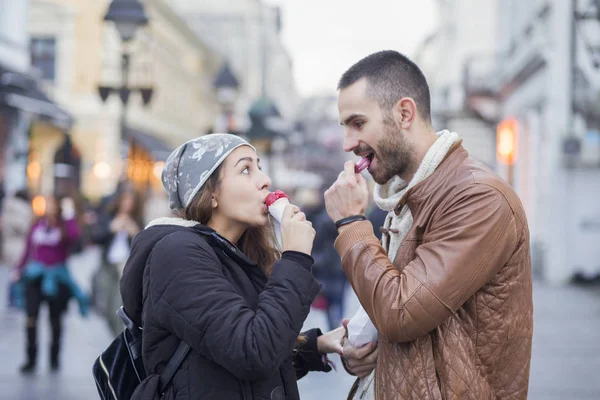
<point>257,243</point>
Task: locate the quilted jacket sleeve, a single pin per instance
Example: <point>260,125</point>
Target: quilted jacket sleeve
<point>195,301</point>
<point>469,240</point>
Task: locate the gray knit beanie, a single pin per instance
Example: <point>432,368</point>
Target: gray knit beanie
<point>191,164</point>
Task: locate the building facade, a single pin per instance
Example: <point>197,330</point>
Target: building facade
<point>84,53</point>
<point>532,63</point>
<point>463,42</point>
<point>550,85</point>
<point>247,34</point>
<point>25,109</point>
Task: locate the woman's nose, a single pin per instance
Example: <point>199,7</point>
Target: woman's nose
<point>264,181</point>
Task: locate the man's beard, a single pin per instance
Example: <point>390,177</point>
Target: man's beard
<point>394,154</point>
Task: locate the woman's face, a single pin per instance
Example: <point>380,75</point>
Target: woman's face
<point>127,203</point>
<point>51,207</point>
<point>240,196</point>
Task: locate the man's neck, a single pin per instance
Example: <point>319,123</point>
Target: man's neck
<point>425,138</point>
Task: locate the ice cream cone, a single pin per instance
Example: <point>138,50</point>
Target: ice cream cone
<point>276,209</point>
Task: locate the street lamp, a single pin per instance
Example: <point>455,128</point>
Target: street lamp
<point>128,16</point>
<point>226,86</point>
<point>507,135</point>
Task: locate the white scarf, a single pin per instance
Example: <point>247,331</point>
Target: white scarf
<point>387,197</point>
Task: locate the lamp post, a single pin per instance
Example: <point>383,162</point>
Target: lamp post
<point>128,16</point>
<point>226,86</point>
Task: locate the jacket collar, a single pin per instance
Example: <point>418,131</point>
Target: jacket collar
<point>453,158</point>
<point>211,236</point>
<point>172,221</point>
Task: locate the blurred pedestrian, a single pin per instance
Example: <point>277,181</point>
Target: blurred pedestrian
<point>114,231</point>
<point>43,273</point>
<point>16,221</point>
<point>449,288</point>
<point>328,269</point>
<point>215,279</point>
<point>2,196</point>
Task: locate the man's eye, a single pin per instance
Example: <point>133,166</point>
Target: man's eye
<point>358,124</point>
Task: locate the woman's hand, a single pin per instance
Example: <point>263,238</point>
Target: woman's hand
<point>117,224</point>
<point>68,208</point>
<point>131,227</point>
<point>331,342</point>
<point>297,234</point>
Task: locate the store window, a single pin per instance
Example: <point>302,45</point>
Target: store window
<point>43,56</point>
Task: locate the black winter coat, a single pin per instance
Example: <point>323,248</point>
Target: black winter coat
<point>242,327</point>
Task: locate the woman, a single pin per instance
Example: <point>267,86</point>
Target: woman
<point>43,273</point>
<point>236,301</point>
<point>114,232</point>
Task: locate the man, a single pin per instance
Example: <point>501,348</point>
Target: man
<point>449,287</point>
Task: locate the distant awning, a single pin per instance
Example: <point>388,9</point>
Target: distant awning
<point>24,93</point>
<point>157,148</point>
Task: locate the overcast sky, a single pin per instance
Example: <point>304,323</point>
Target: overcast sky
<point>325,37</point>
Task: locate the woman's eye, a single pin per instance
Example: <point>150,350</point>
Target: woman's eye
<point>246,170</point>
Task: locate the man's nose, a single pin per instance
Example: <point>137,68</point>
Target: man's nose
<point>350,144</point>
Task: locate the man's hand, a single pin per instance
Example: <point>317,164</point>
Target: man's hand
<point>349,195</point>
<point>361,361</point>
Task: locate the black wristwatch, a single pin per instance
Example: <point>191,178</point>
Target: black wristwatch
<point>348,220</point>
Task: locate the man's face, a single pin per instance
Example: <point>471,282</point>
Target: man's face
<point>368,132</point>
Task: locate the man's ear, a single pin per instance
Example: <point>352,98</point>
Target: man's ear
<point>405,112</point>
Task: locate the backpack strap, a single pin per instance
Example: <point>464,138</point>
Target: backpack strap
<point>172,366</point>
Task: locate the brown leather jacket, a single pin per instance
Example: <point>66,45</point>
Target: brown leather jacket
<point>454,310</point>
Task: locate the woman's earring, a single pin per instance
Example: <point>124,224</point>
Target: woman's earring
<point>214,202</point>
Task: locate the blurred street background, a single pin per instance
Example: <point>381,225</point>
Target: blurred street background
<point>95,94</point>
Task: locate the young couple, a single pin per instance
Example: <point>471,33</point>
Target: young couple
<point>448,289</point>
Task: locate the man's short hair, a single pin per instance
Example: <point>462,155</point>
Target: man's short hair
<point>390,77</point>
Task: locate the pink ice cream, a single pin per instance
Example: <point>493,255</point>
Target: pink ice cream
<point>362,165</point>
<point>276,203</point>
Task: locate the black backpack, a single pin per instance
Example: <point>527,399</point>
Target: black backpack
<point>119,371</point>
